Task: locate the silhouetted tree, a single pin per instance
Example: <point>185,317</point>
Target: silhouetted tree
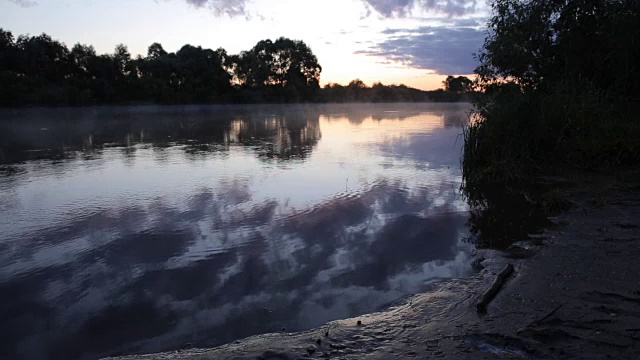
<point>37,70</point>
<point>458,85</point>
<point>10,86</point>
<point>537,43</point>
<point>7,48</point>
<point>155,51</point>
<point>560,77</point>
<point>81,78</point>
<point>200,74</point>
<point>285,69</point>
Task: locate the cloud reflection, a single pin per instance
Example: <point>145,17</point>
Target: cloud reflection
<point>227,256</point>
<point>176,271</point>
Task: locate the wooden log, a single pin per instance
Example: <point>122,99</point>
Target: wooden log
<point>486,298</point>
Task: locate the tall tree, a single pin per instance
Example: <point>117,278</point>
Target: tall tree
<point>155,51</point>
<point>536,42</point>
<point>285,64</point>
<point>458,85</point>
<point>201,75</point>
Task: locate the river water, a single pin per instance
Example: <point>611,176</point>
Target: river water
<point>143,229</point>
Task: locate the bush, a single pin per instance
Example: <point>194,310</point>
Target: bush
<point>554,93</point>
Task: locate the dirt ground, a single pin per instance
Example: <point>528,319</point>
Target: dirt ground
<point>574,294</point>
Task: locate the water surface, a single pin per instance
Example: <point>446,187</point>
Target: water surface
<point>133,230</point>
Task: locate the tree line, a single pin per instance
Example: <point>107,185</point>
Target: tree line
<point>39,70</point>
<point>358,91</point>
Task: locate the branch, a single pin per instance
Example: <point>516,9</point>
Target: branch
<point>481,306</point>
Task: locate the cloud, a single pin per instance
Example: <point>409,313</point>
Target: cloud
<point>231,8</point>
<point>443,50</point>
<point>401,8</point>
<point>24,3</point>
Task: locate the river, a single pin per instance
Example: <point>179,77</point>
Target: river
<point>130,230</point>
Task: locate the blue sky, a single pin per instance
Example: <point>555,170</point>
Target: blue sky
<point>415,42</point>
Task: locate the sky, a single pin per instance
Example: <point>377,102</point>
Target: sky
<point>412,42</point>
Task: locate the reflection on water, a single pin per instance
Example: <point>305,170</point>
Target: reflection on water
<point>129,230</point>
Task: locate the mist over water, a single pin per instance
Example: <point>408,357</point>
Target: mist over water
<point>133,230</point>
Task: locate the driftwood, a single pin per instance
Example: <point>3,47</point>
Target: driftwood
<point>486,298</point>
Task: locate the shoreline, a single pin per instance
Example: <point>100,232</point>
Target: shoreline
<point>575,296</point>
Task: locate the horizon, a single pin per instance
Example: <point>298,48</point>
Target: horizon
<point>412,42</point>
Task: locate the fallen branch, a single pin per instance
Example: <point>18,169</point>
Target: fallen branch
<point>486,298</point>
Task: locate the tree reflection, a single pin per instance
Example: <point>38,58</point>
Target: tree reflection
<point>276,137</point>
<point>271,132</point>
<point>281,136</point>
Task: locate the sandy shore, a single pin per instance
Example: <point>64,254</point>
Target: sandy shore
<point>574,295</point>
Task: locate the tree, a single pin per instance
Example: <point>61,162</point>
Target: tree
<point>356,90</point>
<point>534,43</point>
<point>81,57</point>
<point>40,70</point>
<point>559,76</point>
<point>7,47</point>
<point>458,85</point>
<point>201,75</point>
<point>155,51</point>
<point>80,79</point>
<point>43,58</point>
<point>293,61</point>
<point>9,80</point>
<point>284,64</point>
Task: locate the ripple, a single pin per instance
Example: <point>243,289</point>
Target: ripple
<point>205,219</point>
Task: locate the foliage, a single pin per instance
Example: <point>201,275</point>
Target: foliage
<point>458,85</point>
<point>357,91</point>
<point>560,81</point>
<point>38,70</point>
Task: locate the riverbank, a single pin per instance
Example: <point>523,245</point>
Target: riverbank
<point>575,293</point>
